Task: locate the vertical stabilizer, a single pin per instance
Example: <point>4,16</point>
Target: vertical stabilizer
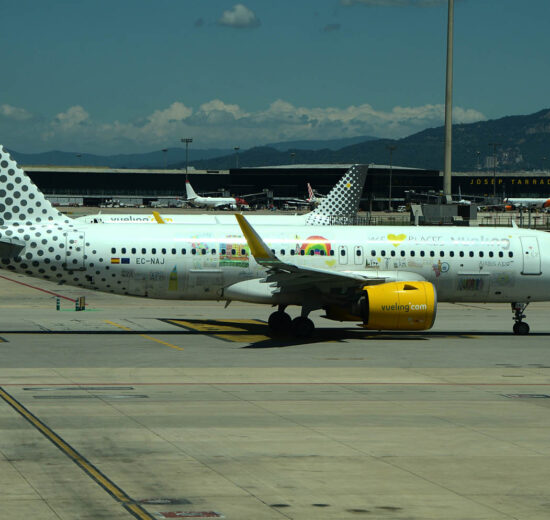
<point>191,195</point>
<point>341,205</point>
<point>21,202</point>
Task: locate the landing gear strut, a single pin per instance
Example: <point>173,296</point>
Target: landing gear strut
<point>520,327</point>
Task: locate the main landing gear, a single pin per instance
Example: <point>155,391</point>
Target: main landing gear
<point>520,327</point>
<point>281,323</point>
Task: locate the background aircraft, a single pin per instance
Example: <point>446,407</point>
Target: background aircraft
<point>340,205</point>
<point>536,203</point>
<point>212,202</point>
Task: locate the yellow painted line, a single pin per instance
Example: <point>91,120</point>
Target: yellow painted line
<point>236,331</point>
<point>144,335</point>
<point>107,484</point>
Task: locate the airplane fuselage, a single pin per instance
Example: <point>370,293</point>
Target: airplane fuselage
<point>200,261</point>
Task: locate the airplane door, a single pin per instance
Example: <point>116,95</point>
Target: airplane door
<point>74,251</point>
<point>358,255</point>
<point>531,255</point>
<point>343,255</point>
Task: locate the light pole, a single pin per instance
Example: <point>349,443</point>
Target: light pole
<point>391,148</point>
<point>449,103</point>
<point>237,148</point>
<point>187,140</point>
<point>164,150</point>
<point>494,145</point>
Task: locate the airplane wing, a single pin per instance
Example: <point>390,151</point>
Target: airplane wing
<point>290,276</point>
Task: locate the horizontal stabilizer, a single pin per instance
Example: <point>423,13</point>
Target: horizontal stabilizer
<point>11,247</point>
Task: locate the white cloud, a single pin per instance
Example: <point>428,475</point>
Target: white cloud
<point>74,116</point>
<point>218,124</point>
<point>11,112</point>
<point>239,17</point>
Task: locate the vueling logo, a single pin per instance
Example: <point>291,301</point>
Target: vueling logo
<point>405,307</point>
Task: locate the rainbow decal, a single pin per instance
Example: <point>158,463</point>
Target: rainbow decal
<point>316,244</point>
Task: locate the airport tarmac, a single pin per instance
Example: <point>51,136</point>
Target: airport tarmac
<point>160,409</point>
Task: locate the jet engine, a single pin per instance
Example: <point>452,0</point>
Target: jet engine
<point>391,306</point>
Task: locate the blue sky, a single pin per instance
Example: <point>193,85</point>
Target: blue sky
<point>137,75</point>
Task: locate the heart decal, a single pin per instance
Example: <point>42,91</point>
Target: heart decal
<point>396,239</point>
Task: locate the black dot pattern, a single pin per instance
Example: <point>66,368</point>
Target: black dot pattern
<point>343,200</point>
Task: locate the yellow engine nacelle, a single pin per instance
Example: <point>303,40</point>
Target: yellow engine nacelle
<point>400,306</point>
<point>392,306</point>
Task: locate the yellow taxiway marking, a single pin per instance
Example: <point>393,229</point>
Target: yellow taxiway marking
<point>100,478</point>
<point>144,335</point>
<point>228,330</point>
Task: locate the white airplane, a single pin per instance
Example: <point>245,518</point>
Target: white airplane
<point>385,278</point>
<point>212,202</point>
<point>535,203</point>
<point>340,205</point>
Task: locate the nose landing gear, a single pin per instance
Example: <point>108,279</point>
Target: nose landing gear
<point>520,327</point>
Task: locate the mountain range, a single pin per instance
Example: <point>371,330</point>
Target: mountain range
<point>522,143</point>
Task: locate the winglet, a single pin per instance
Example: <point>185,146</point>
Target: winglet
<point>261,253</point>
<point>158,218</point>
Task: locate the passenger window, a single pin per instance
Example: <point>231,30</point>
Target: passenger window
<point>282,252</point>
<point>510,254</point>
<point>184,251</point>
<point>203,251</point>
<point>273,251</point>
<point>193,251</point>
<point>432,253</point>
<point>442,253</point>
<point>491,254</point>
<point>302,252</point>
<point>392,252</point>
<point>243,252</point>
<point>358,252</point>
<point>233,251</point>
<point>471,254</point>
<point>133,250</point>
<point>113,250</point>
<point>143,251</point>
<point>173,251</point>
<point>422,253</point>
<point>382,253</point>
<point>292,252</point>
<point>213,252</point>
<point>412,253</point>
<point>452,253</point>
<point>332,252</point>
<point>461,253</point>
<point>500,254</point>
<point>123,250</point>
<point>311,253</point>
<point>402,253</point>
<point>481,254</point>
<point>323,252</point>
<point>342,252</point>
<point>163,250</point>
<point>154,251</point>
<point>373,253</point>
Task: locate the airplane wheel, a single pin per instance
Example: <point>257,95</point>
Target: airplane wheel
<point>279,322</point>
<point>521,328</point>
<point>302,327</point>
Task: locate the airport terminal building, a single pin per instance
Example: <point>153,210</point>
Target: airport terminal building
<point>93,186</point>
